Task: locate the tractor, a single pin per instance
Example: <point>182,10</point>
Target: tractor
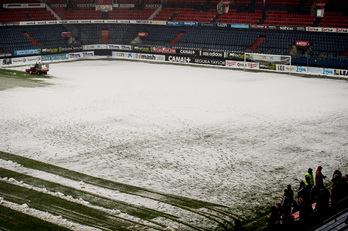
<point>39,69</point>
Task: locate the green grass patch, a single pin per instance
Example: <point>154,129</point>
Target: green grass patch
<point>13,78</point>
<point>13,220</point>
<point>140,212</point>
<point>69,210</point>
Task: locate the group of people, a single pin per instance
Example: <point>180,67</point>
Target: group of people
<point>314,202</point>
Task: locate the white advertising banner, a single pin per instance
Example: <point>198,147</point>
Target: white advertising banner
<point>308,70</point>
<point>238,64</point>
<point>77,55</point>
<point>95,47</point>
<point>139,56</point>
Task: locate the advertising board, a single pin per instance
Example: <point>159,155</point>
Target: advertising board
<point>151,57</point>
<point>54,57</point>
<point>164,50</point>
<point>341,73</point>
<point>124,55</point>
<point>25,60</point>
<point>213,54</point>
<point>187,52</point>
<point>26,52</point>
<point>238,64</point>
<point>138,48</point>
<point>207,61</point>
<point>178,59</point>
<point>119,47</point>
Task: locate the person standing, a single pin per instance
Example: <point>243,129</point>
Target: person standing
<point>286,202</point>
<point>291,193</point>
<point>309,180</point>
<point>319,178</point>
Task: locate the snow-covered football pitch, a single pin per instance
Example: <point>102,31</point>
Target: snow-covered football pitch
<point>157,145</point>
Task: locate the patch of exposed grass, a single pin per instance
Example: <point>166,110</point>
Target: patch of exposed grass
<point>12,78</point>
<point>13,220</point>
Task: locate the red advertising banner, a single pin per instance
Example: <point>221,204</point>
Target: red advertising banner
<point>164,50</point>
<point>143,34</point>
<point>302,43</point>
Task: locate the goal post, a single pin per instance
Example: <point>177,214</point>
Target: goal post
<point>268,61</point>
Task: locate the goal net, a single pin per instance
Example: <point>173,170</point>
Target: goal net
<point>268,61</point>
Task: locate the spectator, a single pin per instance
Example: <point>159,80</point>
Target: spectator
<point>273,217</point>
<point>309,180</point>
<point>339,189</point>
<point>291,193</point>
<point>314,193</point>
<point>319,177</point>
<point>294,207</point>
<point>302,190</point>
<point>306,211</point>
<point>336,172</point>
<point>286,219</point>
<point>323,202</point>
<point>286,202</point>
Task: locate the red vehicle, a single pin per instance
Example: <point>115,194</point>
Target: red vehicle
<point>39,69</point>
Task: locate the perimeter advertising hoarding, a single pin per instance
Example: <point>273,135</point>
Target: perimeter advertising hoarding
<point>164,50</point>
<point>242,26</point>
<point>206,61</point>
<point>178,59</point>
<point>213,54</point>
<point>6,61</point>
<point>25,60</point>
<point>124,55</point>
<point>5,55</point>
<point>77,55</point>
<point>145,49</point>
<point>119,47</point>
<point>342,73</point>
<point>139,56</point>
<point>238,64</point>
<point>26,52</point>
<point>187,52</point>
<point>50,50</point>
<point>308,70</point>
<point>151,57</point>
<point>235,56</point>
<point>54,57</point>
<point>194,60</point>
<point>299,69</point>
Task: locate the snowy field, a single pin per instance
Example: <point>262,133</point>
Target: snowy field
<point>224,136</point>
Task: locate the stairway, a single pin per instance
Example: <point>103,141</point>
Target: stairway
<point>316,22</point>
<point>105,36</point>
<point>257,43</point>
<point>175,40</point>
<point>32,40</point>
<point>263,18</point>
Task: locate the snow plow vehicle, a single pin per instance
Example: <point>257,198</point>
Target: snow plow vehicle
<point>39,69</point>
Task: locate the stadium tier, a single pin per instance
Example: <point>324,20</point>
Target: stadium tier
<point>270,27</point>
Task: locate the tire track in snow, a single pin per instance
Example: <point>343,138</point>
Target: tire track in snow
<point>190,205</point>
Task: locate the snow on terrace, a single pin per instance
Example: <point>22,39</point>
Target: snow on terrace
<point>229,137</point>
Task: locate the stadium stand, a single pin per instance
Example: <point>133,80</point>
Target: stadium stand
<point>240,18</point>
<point>190,15</point>
<point>325,48</point>
<point>126,13</point>
<point>74,14</point>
